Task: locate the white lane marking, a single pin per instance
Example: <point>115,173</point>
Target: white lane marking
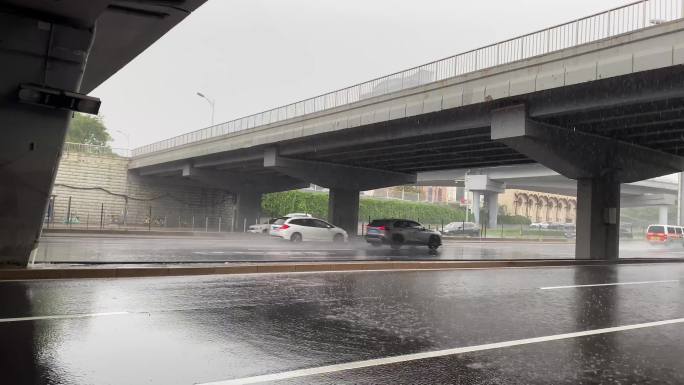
<point>608,284</point>
<point>438,353</point>
<point>63,316</point>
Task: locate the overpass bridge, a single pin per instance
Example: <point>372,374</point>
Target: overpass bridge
<point>599,100</point>
<point>656,192</point>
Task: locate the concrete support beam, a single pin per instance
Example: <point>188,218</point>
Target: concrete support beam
<point>238,182</point>
<point>680,197</point>
<point>599,164</point>
<point>343,209</point>
<point>663,215</point>
<point>492,208</point>
<point>647,200</point>
<point>475,207</point>
<point>579,155</point>
<point>53,55</point>
<point>248,210</point>
<point>598,219</point>
<point>482,185</point>
<point>333,175</point>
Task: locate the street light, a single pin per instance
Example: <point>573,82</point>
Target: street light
<point>128,138</point>
<point>211,104</point>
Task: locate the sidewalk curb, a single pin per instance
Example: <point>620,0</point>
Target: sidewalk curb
<point>174,271</point>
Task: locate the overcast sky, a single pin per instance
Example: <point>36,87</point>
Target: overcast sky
<point>252,55</point>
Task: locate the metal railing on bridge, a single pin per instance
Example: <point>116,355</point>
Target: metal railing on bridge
<point>611,23</point>
<point>95,149</point>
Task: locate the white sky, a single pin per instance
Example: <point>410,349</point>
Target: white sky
<point>252,55</point>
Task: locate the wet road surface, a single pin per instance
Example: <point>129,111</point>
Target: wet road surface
<point>196,330</point>
<point>258,248</point>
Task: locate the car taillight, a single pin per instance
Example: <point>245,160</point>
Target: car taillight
<point>284,227</point>
<point>381,228</point>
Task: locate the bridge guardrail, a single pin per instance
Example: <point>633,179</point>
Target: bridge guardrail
<point>95,149</point>
<point>617,21</point>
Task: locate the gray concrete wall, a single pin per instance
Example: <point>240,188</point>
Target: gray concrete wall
<point>93,180</point>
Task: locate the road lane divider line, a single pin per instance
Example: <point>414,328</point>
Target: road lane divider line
<point>608,284</point>
<point>438,353</point>
<point>62,316</point>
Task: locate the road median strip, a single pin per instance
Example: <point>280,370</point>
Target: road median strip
<point>112,271</point>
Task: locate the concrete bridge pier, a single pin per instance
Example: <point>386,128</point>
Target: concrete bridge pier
<point>53,55</point>
<point>475,206</point>
<point>248,188</point>
<point>663,215</point>
<point>247,210</point>
<point>483,185</point>
<point>344,182</point>
<point>680,206</point>
<point>492,204</point>
<point>598,219</point>
<point>343,209</point>
<point>599,164</point>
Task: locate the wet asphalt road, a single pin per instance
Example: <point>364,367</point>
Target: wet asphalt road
<point>189,330</point>
<point>258,248</point>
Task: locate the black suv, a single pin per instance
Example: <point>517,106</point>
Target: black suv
<point>398,232</point>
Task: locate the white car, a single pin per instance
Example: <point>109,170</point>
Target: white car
<point>300,229</point>
<point>274,224</point>
<point>260,228</point>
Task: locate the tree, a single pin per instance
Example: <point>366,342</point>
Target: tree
<point>88,130</point>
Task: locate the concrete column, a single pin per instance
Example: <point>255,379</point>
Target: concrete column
<point>598,218</point>
<point>343,209</point>
<point>662,215</point>
<point>493,208</point>
<point>248,210</point>
<point>680,197</point>
<point>476,207</point>
<point>52,55</point>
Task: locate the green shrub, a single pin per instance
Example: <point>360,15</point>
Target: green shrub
<point>514,220</point>
<point>316,204</point>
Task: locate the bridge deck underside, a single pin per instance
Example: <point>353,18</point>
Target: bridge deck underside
<point>645,109</point>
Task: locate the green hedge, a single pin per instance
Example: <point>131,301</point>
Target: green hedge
<point>316,204</point>
<point>514,220</point>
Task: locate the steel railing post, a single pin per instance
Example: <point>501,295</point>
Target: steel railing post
<point>68,219</point>
<point>643,15</point>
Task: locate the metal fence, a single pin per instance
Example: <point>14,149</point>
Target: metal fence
<point>614,22</point>
<point>72,213</point>
<point>95,150</point>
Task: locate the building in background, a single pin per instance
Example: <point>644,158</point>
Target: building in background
<point>538,207</point>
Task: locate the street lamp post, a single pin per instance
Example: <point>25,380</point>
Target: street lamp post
<point>128,138</point>
<point>211,104</point>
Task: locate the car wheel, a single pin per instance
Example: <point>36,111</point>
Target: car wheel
<point>338,238</point>
<point>434,243</point>
<point>296,238</point>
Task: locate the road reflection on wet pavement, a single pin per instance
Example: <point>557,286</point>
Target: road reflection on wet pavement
<point>259,248</point>
<point>187,330</point>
